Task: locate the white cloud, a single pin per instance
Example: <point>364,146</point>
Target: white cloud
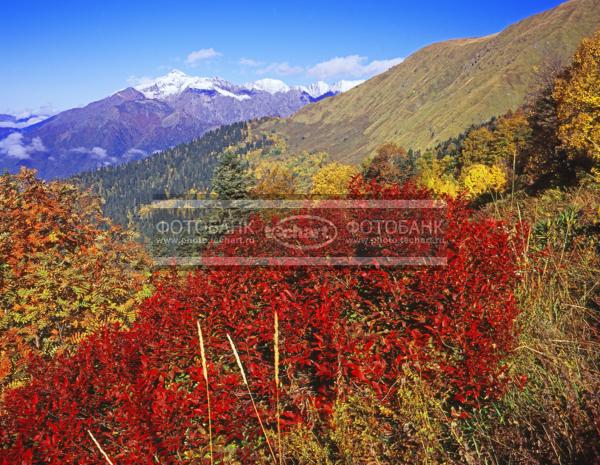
<point>13,146</point>
<point>28,117</point>
<point>347,67</point>
<point>355,66</point>
<point>36,145</point>
<point>202,54</point>
<point>98,153</point>
<point>44,110</point>
<point>380,66</point>
<point>250,62</point>
<point>131,153</point>
<point>19,125</point>
<point>281,69</point>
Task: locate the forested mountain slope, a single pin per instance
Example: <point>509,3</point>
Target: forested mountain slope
<point>125,188</point>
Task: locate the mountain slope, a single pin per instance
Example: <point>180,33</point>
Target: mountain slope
<point>443,88</point>
<point>136,122</point>
<point>124,188</point>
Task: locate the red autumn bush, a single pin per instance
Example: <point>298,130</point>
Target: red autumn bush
<point>141,391</point>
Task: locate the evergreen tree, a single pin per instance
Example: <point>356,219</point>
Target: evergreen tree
<point>231,177</point>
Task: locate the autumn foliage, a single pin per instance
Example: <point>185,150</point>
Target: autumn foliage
<point>333,179</point>
<point>141,391</point>
<point>576,93</point>
<point>64,270</point>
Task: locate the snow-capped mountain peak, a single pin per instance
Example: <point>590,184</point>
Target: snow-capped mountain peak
<point>153,116</point>
<point>320,88</point>
<point>272,86</point>
<point>316,89</point>
<point>175,82</point>
<point>344,85</point>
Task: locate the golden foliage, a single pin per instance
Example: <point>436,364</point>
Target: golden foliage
<point>498,145</point>
<point>273,180</point>
<point>333,179</point>
<point>435,175</point>
<point>577,93</point>
<point>275,165</point>
<point>477,147</point>
<point>480,179</point>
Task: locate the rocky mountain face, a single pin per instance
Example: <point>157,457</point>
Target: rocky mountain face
<point>136,122</point>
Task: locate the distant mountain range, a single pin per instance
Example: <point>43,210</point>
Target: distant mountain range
<point>442,89</point>
<point>434,95</point>
<point>136,122</point>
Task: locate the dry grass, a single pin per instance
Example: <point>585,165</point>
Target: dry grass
<point>205,374</point>
<point>104,454</point>
<point>554,419</point>
<point>276,363</point>
<point>245,379</point>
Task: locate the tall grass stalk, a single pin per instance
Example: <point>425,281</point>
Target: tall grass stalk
<point>514,169</point>
<point>241,367</point>
<point>205,373</point>
<point>100,448</point>
<point>277,411</point>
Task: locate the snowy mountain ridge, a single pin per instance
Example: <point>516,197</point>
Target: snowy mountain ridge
<point>176,82</point>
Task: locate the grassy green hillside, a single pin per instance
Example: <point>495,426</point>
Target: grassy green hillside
<point>445,87</point>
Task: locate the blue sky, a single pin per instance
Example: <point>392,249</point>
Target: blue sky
<point>69,53</point>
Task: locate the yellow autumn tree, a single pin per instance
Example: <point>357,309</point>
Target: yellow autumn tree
<point>436,175</point>
<point>479,179</point>
<point>511,136</point>
<point>577,95</point>
<point>478,147</point>
<point>273,180</point>
<point>498,145</point>
<point>333,179</point>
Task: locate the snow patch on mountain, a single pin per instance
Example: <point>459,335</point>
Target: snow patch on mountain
<point>272,86</point>
<point>344,85</point>
<point>316,89</point>
<point>175,82</point>
<point>321,88</point>
<point>138,121</point>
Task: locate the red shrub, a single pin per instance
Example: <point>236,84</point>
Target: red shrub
<point>141,391</point>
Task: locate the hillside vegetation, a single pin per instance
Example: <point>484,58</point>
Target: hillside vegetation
<point>177,171</point>
<point>443,88</point>
<point>491,359</point>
